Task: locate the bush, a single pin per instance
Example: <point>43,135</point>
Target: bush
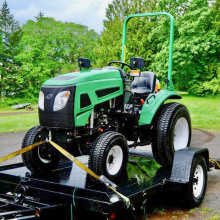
<point>206,88</point>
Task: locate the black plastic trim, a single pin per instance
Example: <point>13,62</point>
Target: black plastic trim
<point>63,118</point>
<point>84,100</point>
<point>103,92</point>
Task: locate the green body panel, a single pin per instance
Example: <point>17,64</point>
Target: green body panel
<point>148,111</point>
<point>81,115</point>
<point>89,81</point>
<point>84,76</point>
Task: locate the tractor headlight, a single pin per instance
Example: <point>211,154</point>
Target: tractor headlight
<point>61,100</point>
<point>41,101</point>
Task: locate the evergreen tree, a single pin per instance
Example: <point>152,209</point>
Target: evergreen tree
<point>40,15</point>
<point>10,37</point>
<point>8,24</point>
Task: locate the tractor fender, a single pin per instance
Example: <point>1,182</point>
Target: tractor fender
<point>152,105</point>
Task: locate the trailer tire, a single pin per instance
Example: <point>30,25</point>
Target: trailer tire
<point>194,191</point>
<point>109,155</point>
<point>32,159</point>
<point>173,132</point>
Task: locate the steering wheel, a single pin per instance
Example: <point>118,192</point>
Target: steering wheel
<point>122,64</point>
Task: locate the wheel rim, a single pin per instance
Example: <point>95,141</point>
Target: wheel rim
<point>114,160</point>
<point>44,154</point>
<point>198,181</point>
<point>181,134</point>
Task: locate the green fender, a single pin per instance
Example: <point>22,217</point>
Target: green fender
<point>149,109</point>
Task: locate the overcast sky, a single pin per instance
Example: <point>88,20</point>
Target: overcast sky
<point>87,12</point>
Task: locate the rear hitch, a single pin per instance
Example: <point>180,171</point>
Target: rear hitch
<point>19,196</point>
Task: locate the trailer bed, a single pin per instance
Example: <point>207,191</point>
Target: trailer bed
<point>69,189</point>
<point>70,193</point>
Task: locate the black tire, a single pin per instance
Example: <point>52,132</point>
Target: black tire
<point>32,159</point>
<point>191,199</point>
<point>100,153</point>
<point>163,143</point>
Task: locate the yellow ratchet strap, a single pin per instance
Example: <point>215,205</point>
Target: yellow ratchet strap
<point>85,168</point>
<point>73,159</point>
<point>211,160</point>
<point>126,199</point>
<point>69,156</point>
<point>24,150</point>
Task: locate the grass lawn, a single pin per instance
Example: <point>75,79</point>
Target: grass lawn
<point>14,123</point>
<point>9,109</point>
<point>205,114</point>
<point>204,111</point>
<point>7,103</point>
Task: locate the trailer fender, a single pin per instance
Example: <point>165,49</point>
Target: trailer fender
<point>153,103</point>
<point>182,164</point>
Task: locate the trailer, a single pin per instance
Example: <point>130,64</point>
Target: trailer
<point>70,193</point>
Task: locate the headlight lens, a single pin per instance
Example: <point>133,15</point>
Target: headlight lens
<point>41,101</point>
<point>61,100</point>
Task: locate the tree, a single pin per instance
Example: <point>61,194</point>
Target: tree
<point>8,24</point>
<point>40,15</point>
<point>196,47</point>
<point>48,47</point>
<point>10,33</point>
<point>111,38</point>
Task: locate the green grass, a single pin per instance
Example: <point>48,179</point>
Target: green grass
<point>7,103</point>
<point>9,109</point>
<point>14,123</point>
<point>204,111</point>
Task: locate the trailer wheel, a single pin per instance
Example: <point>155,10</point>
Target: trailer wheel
<point>173,132</point>
<point>109,155</point>
<point>42,159</point>
<point>195,190</point>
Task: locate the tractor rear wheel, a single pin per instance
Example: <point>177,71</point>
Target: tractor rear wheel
<point>173,132</point>
<point>109,155</point>
<point>42,159</point>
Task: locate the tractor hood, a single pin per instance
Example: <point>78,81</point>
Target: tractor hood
<point>83,76</point>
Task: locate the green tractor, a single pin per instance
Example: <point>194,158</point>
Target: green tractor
<point>96,112</point>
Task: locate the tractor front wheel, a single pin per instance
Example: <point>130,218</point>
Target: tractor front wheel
<point>173,132</point>
<point>109,155</point>
<point>42,159</point>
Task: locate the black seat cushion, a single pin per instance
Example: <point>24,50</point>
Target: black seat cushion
<point>144,84</point>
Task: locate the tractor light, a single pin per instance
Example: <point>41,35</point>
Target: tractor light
<point>41,101</point>
<point>61,100</point>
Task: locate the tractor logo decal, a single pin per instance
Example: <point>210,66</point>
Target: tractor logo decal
<point>49,96</point>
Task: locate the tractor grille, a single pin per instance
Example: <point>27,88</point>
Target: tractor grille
<point>63,118</point>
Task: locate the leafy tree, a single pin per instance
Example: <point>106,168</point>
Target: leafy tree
<point>196,44</point>
<point>111,38</point>
<point>48,47</point>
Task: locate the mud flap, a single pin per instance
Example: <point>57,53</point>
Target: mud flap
<point>182,163</point>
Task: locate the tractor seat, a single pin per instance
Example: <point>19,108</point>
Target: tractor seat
<point>144,84</point>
